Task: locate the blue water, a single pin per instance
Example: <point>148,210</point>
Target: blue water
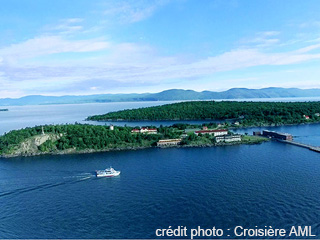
<point>28,116</point>
<point>269,184</point>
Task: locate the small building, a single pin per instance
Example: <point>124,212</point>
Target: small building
<point>306,117</point>
<point>148,130</point>
<point>216,132</point>
<point>111,127</point>
<point>256,133</point>
<point>276,135</point>
<point>228,138</point>
<point>236,123</point>
<point>184,135</point>
<point>169,142</point>
<point>317,114</point>
<point>204,128</point>
<point>145,130</point>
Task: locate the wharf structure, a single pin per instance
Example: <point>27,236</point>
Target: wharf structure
<point>287,138</point>
<point>312,148</point>
<point>276,135</point>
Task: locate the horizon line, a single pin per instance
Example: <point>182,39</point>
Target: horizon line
<point>119,93</point>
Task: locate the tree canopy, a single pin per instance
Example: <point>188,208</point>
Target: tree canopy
<point>248,113</point>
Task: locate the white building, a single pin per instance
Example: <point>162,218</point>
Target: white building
<point>228,138</point>
<point>169,142</point>
<point>216,132</point>
<point>145,130</point>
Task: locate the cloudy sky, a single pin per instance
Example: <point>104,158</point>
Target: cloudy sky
<point>122,46</point>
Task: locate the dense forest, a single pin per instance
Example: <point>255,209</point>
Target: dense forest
<point>247,113</point>
<point>84,136</point>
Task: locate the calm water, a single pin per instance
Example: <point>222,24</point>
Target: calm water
<point>28,116</point>
<point>270,184</point>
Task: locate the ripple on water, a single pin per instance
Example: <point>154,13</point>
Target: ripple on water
<point>260,185</point>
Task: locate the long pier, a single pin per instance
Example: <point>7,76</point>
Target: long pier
<point>310,147</point>
<point>286,138</point>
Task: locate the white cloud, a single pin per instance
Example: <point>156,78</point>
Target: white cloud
<point>138,64</point>
<point>262,39</point>
<point>124,64</point>
<point>73,20</point>
<point>309,24</point>
<point>308,48</point>
<point>46,45</point>
<point>132,11</point>
<point>65,27</point>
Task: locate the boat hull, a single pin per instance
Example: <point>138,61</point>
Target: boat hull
<point>117,173</point>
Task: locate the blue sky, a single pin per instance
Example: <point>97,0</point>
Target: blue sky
<point>122,46</point>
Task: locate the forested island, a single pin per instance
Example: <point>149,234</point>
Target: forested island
<point>85,138</point>
<point>4,109</point>
<point>244,113</point>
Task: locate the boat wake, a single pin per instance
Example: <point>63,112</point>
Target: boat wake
<point>68,180</point>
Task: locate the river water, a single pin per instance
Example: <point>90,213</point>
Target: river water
<point>269,184</point>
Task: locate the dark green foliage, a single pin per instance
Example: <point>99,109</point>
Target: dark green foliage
<point>85,136</point>
<point>247,113</point>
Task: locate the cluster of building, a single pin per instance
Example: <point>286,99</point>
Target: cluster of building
<point>145,130</point>
<point>221,135</point>
<point>215,132</point>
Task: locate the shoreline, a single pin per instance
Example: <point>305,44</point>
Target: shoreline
<point>88,151</point>
<point>213,121</point>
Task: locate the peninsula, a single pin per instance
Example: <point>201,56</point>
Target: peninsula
<point>236,114</point>
<point>85,138</point>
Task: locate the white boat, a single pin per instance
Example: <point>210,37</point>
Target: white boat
<point>108,172</point>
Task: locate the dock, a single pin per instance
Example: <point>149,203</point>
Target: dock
<point>286,138</point>
<point>310,147</point>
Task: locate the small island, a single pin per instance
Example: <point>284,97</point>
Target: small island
<point>238,114</point>
<point>86,138</point>
<point>4,109</point>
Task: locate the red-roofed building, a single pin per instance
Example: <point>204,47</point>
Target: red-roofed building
<point>145,130</point>
<point>217,132</point>
<point>306,117</point>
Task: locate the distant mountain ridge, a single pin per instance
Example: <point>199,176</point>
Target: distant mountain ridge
<point>167,95</point>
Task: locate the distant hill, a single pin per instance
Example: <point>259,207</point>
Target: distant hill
<point>168,95</point>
